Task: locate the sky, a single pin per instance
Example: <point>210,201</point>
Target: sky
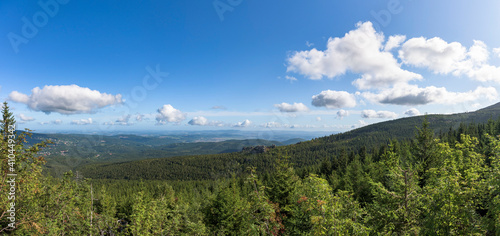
<point>247,65</point>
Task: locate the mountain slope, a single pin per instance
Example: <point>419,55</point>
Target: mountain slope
<point>302,154</point>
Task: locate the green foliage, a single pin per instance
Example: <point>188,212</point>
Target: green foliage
<point>317,211</point>
<point>424,151</point>
<point>227,213</point>
<point>398,199</point>
<point>493,186</point>
<point>455,191</point>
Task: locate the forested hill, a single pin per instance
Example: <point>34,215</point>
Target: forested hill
<point>303,155</point>
<point>404,128</point>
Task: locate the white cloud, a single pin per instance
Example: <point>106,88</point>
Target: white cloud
<point>271,124</point>
<point>413,95</point>
<point>26,118</point>
<point>412,112</point>
<point>139,117</point>
<point>394,42</point>
<point>167,113</point>
<point>291,78</point>
<point>202,121</point>
<point>65,99</point>
<point>378,114</point>
<point>435,54</point>
<point>124,120</point>
<point>359,51</point>
<point>19,97</point>
<point>496,51</point>
<point>82,122</point>
<point>295,107</point>
<point>444,58</point>
<point>333,99</point>
<point>199,120</point>
<point>318,118</point>
<point>308,44</point>
<point>244,123</point>
<point>342,113</point>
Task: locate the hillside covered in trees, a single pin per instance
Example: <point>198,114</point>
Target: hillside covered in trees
<point>427,182</point>
<point>369,139</point>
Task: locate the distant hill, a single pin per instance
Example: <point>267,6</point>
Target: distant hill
<point>405,127</point>
<point>72,150</point>
<point>303,154</point>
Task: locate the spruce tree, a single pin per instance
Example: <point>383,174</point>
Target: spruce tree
<point>424,151</point>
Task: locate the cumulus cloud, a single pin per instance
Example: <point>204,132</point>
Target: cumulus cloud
<point>394,42</point>
<point>202,121</point>
<point>412,112</point>
<point>435,54</point>
<point>26,118</point>
<point>413,95</point>
<point>295,107</point>
<point>342,113</point>
<point>244,123</point>
<point>65,99</point>
<point>167,113</point>
<point>199,120</point>
<point>333,99</point>
<point>369,114</point>
<point>442,57</point>
<point>359,51</point>
<point>82,122</point>
<point>19,97</point>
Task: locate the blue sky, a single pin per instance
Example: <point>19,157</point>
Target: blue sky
<point>292,65</point>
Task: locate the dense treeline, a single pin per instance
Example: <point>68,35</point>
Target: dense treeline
<point>444,184</point>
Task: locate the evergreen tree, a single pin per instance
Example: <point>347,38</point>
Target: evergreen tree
<point>455,190</point>
<point>283,183</point>
<point>397,200</point>
<point>424,151</point>
<point>317,211</point>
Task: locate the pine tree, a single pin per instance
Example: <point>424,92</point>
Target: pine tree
<point>455,190</point>
<point>397,201</point>
<point>424,151</point>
